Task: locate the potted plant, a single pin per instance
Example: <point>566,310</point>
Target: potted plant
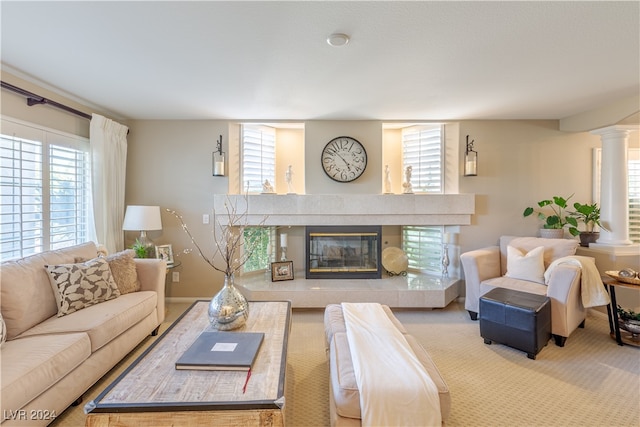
<point>140,250</point>
<point>590,216</point>
<point>554,222</point>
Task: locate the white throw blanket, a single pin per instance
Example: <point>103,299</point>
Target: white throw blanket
<point>395,389</point>
<point>593,291</point>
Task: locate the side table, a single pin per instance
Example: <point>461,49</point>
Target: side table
<point>173,265</point>
<point>169,268</point>
<point>621,337</point>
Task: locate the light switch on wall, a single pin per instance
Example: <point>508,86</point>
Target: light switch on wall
<point>205,219</point>
<point>175,276</point>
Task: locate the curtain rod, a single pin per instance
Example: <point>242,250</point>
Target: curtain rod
<point>33,99</point>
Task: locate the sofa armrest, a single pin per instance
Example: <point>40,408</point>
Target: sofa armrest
<point>565,291</point>
<point>478,265</point>
<point>152,274</point>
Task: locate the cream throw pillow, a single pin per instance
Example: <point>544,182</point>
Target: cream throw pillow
<point>529,266</point>
<point>123,268</point>
<point>77,286</point>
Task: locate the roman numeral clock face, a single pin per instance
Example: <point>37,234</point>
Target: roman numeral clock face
<point>344,159</point>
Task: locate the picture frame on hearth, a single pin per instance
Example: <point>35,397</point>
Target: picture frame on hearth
<point>165,252</point>
<point>281,270</point>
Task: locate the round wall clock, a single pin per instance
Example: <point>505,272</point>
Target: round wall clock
<point>344,159</point>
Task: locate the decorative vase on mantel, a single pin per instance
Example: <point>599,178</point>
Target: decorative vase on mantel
<point>228,309</point>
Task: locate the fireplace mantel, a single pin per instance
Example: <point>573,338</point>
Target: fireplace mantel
<point>349,209</point>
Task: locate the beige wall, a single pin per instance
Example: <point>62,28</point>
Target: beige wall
<point>520,162</point>
<point>169,164</point>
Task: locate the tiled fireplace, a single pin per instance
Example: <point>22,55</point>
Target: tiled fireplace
<point>351,211</point>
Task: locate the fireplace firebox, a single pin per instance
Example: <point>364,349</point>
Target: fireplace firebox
<point>339,252</point>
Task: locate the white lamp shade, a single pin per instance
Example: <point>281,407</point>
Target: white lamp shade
<point>142,218</point>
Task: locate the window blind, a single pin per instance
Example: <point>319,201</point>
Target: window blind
<point>21,192</point>
<point>422,149</point>
<point>44,190</point>
<point>258,157</point>
<point>634,195</point>
<point>68,195</point>
<point>423,246</point>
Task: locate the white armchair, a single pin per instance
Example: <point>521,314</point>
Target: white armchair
<point>486,268</point>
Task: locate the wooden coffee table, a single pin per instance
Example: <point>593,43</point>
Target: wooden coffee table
<point>151,392</point>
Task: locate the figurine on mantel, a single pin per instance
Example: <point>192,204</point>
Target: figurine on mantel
<point>408,188</point>
<point>288,176</point>
<point>387,180</point>
<point>267,188</point>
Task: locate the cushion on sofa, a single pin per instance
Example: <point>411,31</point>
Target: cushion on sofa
<point>515,284</point>
<point>31,365</point>
<point>26,295</point>
<point>434,373</point>
<point>334,320</point>
<point>123,268</point>
<point>553,248</point>
<point>343,379</point>
<point>77,286</point>
<point>102,322</point>
<point>526,266</point>
<point>344,387</point>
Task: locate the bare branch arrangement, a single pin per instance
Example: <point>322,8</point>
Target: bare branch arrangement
<point>229,239</point>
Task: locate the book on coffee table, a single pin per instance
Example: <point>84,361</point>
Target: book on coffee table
<point>222,351</point>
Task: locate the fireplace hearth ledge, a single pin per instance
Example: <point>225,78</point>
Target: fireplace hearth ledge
<point>411,291</point>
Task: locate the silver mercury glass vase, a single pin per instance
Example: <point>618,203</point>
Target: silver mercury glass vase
<point>228,309</point>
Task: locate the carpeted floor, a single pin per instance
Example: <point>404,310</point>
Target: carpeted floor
<point>590,382</point>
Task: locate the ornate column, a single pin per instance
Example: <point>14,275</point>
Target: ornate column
<point>614,194</point>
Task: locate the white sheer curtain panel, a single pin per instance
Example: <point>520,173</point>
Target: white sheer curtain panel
<point>108,141</point>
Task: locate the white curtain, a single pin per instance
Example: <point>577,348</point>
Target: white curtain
<point>108,141</point>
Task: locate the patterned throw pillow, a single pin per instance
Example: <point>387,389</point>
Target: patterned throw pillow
<point>123,268</point>
<point>77,286</point>
<point>3,330</point>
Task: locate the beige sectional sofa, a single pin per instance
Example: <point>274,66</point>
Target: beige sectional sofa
<point>47,361</point>
<point>344,399</point>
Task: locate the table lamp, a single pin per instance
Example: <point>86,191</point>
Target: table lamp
<point>143,219</point>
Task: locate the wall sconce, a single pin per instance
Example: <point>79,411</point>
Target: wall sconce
<point>218,159</point>
<point>470,160</point>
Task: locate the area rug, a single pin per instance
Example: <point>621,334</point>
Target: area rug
<point>590,382</point>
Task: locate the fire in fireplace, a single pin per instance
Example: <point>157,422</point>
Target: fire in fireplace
<point>343,252</point>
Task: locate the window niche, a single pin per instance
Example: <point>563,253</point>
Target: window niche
<point>262,155</point>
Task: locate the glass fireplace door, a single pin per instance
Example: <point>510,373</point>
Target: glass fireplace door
<point>343,252</point>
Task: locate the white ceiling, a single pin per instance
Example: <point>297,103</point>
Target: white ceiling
<point>267,60</point>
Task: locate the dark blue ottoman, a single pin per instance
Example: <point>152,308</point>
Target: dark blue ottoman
<point>517,319</point>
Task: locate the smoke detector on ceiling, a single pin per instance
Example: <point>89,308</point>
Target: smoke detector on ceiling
<point>338,39</point>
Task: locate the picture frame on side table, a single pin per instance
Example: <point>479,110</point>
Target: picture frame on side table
<point>165,252</point>
<point>281,270</point>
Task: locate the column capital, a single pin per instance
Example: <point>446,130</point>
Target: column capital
<point>616,130</point>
